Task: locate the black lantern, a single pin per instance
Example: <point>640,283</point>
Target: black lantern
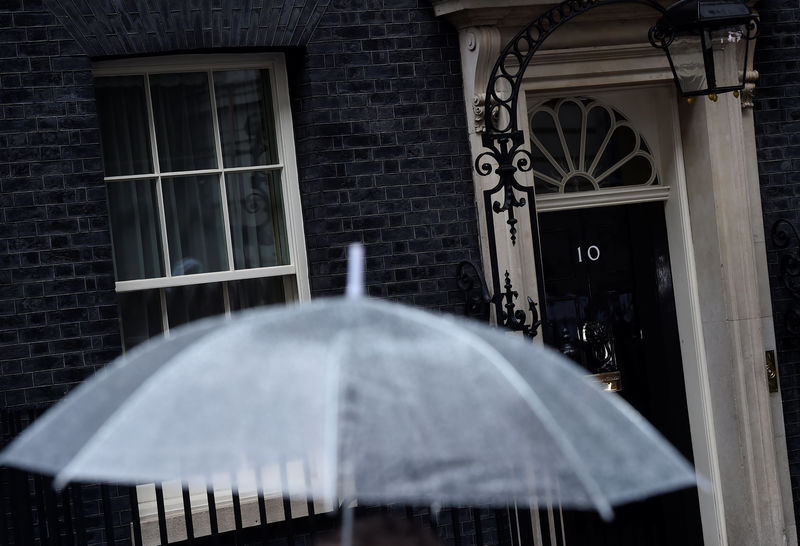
<point>706,43</point>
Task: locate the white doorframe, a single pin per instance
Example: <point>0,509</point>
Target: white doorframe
<point>672,191</point>
<point>712,249</point>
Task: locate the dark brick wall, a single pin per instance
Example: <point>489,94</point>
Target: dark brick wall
<point>57,304</point>
<point>151,27</point>
<point>381,146</point>
<point>382,150</point>
<point>381,143</point>
<point>777,118</point>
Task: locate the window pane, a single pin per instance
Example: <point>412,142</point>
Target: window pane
<point>729,46</point>
<point>193,302</point>
<point>604,148</point>
<point>686,53</point>
<point>544,128</point>
<point>140,315</point>
<point>570,117</point>
<point>124,131</point>
<point>135,229</point>
<point>620,145</point>
<point>598,124</point>
<point>255,208</point>
<point>193,210</point>
<point>246,117</point>
<point>255,292</point>
<point>182,116</point>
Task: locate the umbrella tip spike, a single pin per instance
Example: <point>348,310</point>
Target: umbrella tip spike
<point>606,512</point>
<point>59,482</point>
<point>355,271</point>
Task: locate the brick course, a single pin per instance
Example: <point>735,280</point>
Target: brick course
<point>381,147</point>
<point>382,151</point>
<point>777,120</point>
<point>134,27</point>
<point>57,304</point>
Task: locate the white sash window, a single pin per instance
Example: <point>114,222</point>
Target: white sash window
<point>202,188</point>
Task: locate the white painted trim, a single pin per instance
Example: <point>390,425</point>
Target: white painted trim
<point>226,299</point>
<point>287,156</point>
<point>601,198</point>
<point>276,64</point>
<point>188,63</point>
<point>597,67</point>
<point>125,177</point>
<point>223,504</point>
<point>176,174</point>
<point>162,298</point>
<point>202,278</point>
<point>617,54</point>
<point>274,167</point>
<point>223,190</point>
<point>162,217</point>
<point>693,349</point>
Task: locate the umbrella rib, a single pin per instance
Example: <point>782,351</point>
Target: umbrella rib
<point>58,414</point>
<point>63,477</point>
<point>533,401</point>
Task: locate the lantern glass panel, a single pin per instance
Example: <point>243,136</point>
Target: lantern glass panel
<point>729,47</point>
<point>686,55</point>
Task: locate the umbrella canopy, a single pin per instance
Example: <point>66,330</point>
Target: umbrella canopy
<point>378,401</point>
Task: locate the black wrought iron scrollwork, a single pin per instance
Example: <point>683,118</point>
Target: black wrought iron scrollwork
<point>508,205</point>
<point>661,36</point>
<point>477,301</point>
<point>505,153</point>
<point>505,170</point>
<point>786,239</point>
<point>516,319</point>
<point>502,91</point>
<point>256,201</point>
<point>259,200</point>
<point>476,294</point>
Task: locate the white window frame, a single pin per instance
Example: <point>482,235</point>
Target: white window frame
<point>295,274</point>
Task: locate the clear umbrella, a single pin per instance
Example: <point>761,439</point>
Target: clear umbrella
<point>378,401</point>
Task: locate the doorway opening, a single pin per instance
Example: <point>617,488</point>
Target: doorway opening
<point>610,307</point>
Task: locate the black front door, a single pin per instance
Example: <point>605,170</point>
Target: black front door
<point>610,307</point>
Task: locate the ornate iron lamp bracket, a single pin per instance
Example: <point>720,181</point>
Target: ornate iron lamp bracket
<point>477,301</point>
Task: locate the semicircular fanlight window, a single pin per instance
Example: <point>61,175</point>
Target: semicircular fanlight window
<point>580,144</point>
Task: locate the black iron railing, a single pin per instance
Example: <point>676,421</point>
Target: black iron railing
<point>32,513</point>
